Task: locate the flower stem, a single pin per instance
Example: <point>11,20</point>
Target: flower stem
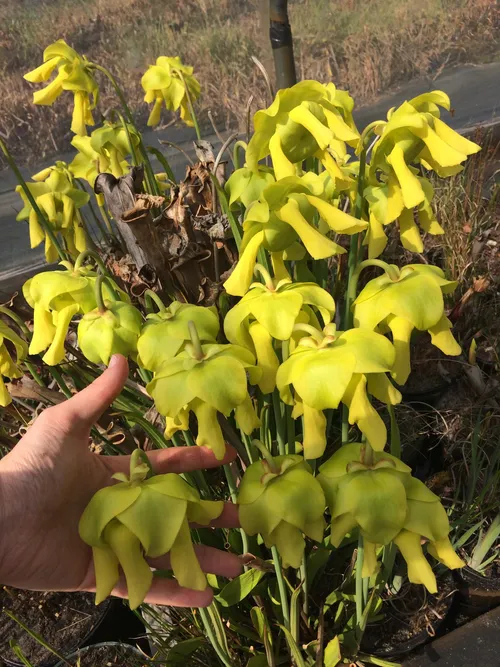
<point>395,435</point>
<point>98,293</point>
<point>262,271</point>
<point>150,297</point>
<point>266,454</point>
<point>312,331</point>
<point>285,608</point>
<point>236,148</point>
<point>42,219</point>
<point>15,318</point>
<point>231,483</point>
<point>85,255</point>
<point>280,423</point>
<point>359,582</point>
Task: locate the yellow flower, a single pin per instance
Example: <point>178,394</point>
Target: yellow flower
<point>309,119</point>
<point>60,201</point>
<point>413,300</point>
<point>167,82</point>
<point>105,150</point>
<point>358,360</point>
<point>8,366</point>
<point>73,73</point>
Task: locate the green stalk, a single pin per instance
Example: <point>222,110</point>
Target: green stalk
<point>163,161</point>
<point>149,297</point>
<point>359,582</point>
<point>43,221</point>
<point>97,220</point>
<point>231,483</point>
<point>280,423</point>
<point>223,657</point>
<point>303,577</point>
<point>106,219</point>
<point>98,293</point>
<point>15,318</point>
<point>236,158</point>
<point>34,373</point>
<point>395,435</point>
<point>90,253</point>
<point>285,609</point>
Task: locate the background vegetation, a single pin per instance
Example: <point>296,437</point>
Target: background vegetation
<point>396,40</point>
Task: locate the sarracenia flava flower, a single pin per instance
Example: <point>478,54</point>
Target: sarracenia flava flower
<point>387,504</point>
<point>142,518</point>
<point>166,332</point>
<point>8,366</point>
<point>56,297</point>
<point>114,330</point>
<point>60,201</point>
<point>414,134</point>
<point>309,119</point>
<point>105,150</point>
<point>166,83</point>
<point>246,186</point>
<point>285,214</point>
<point>403,300</point>
<point>330,367</point>
<point>206,379</point>
<point>270,311</point>
<point>74,74</point>
<point>281,499</point>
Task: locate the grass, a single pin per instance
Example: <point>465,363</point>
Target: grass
<point>365,47</point>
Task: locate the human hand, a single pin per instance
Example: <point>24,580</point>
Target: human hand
<point>49,477</point>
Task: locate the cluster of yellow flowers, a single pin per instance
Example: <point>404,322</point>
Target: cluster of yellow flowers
<point>280,337</point>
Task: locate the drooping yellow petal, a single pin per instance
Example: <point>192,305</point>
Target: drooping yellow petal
<point>106,572</point>
<point>412,191</point>
<point>281,164</point>
<point>382,388</point>
<point>49,94</point>
<point>370,563</point>
<point>43,72</point>
<point>79,113</point>
<point>314,432</point>
<point>444,552</point>
<point>55,353</point>
<point>419,570</point>
<point>375,238</point>
<point>302,115</point>
<point>289,543</point>
<point>453,139</point>
<point>401,333</point>
<point>246,417</point>
<point>266,356</point>
<point>5,398</point>
<point>362,412</point>
<point>209,431</point>
<point>37,235</point>
<point>409,233</point>
<point>443,339</point>
<point>279,269</point>
<point>43,330</point>
<point>137,572</point>
<point>241,278</point>
<point>337,220</point>
<point>441,152</point>
<point>317,245</point>
<point>184,562</point>
<point>340,527</point>
<point>178,423</point>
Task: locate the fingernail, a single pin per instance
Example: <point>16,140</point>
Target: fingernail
<point>114,360</point>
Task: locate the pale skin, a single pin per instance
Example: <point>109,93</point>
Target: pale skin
<point>49,477</point>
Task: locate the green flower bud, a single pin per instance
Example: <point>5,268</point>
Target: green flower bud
<point>138,518</point>
<point>281,499</point>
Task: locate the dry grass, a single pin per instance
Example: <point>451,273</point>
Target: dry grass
<point>363,46</point>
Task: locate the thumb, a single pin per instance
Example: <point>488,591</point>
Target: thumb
<point>85,408</point>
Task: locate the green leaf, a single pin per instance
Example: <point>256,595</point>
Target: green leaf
<point>259,660</point>
<point>332,653</point>
<point>316,561</point>
<point>178,654</point>
<point>294,649</point>
<point>238,589</point>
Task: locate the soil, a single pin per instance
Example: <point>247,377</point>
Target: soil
<point>107,656</point>
<point>63,620</point>
<point>411,617</point>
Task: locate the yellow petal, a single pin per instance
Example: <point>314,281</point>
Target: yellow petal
<point>106,572</point>
<point>289,543</point>
<point>444,552</point>
<point>317,245</point>
<point>409,233</point>
<point>340,222</point>
<point>43,72</point>
<point>246,417</point>
<point>452,138</point>
<point>370,563</point>
<point>37,235</point>
<point>43,330</point>
<point>314,432</point>
<point>209,431</point>
<point>382,389</point>
<point>50,93</point>
<point>340,527</point>
<point>5,398</point>
<point>79,113</point>
<point>279,269</point>
<point>441,152</point>
<point>303,116</point>
<point>55,353</point>
<point>241,278</point>
<point>375,238</point>
<point>266,357</point>
<point>184,562</point>
<point>401,333</point>
<point>443,339</point>
<point>281,164</point>
<point>412,191</point>
<point>362,412</point>
<point>419,570</point>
